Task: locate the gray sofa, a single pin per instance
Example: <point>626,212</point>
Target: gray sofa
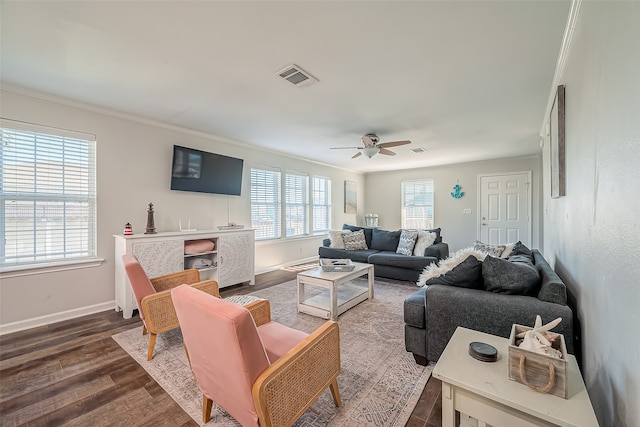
<point>382,254</point>
<point>433,313</point>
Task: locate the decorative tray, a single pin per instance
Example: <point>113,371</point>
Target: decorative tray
<point>334,265</point>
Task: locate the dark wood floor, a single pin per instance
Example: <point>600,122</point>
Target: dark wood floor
<point>74,373</point>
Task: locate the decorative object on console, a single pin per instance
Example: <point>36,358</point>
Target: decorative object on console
<point>188,226</point>
<point>151,228</point>
<point>456,194</point>
<point>128,230</point>
<point>371,220</point>
<point>231,226</point>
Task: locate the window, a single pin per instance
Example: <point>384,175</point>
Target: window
<point>321,193</point>
<point>47,195</point>
<point>296,204</point>
<point>417,204</point>
<point>265,203</point>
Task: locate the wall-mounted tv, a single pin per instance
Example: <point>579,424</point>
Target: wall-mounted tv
<point>203,172</point>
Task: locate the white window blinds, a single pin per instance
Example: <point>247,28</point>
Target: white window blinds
<point>297,204</point>
<point>321,194</point>
<point>47,195</point>
<point>417,204</point>
<point>265,203</point>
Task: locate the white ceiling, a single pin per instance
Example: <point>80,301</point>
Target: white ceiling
<point>466,80</point>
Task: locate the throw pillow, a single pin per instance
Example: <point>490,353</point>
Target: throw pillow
<point>518,277</point>
<point>508,248</point>
<point>493,250</point>
<point>367,232</point>
<point>383,240</point>
<point>336,239</point>
<point>354,241</point>
<point>448,264</point>
<point>424,240</point>
<point>520,249</point>
<point>467,274</point>
<point>407,242</point>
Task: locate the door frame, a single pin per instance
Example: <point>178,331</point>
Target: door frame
<point>529,174</point>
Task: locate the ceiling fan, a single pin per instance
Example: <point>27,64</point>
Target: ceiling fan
<point>371,147</point>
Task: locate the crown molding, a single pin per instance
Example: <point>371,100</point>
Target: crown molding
<point>567,38</point>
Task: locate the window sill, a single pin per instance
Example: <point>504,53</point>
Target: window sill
<point>48,267</point>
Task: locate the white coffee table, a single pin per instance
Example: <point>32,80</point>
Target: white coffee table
<point>338,294</point>
<point>484,391</point>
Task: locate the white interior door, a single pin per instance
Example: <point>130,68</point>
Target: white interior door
<point>505,208</point>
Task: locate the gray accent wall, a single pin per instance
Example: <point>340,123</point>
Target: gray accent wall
<point>591,235</point>
<point>459,229</point>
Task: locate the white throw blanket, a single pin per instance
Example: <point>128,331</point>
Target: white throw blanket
<point>448,264</point>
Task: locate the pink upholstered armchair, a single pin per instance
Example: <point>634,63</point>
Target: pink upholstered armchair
<point>154,297</point>
<point>261,372</point>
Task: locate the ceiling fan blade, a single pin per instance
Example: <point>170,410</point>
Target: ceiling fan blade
<point>345,148</point>
<point>386,152</point>
<point>359,153</point>
<point>393,144</point>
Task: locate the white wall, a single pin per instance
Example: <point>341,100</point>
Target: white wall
<point>591,236</point>
<point>133,169</point>
<point>459,230</point>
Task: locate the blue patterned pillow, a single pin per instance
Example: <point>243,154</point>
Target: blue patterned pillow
<point>407,242</point>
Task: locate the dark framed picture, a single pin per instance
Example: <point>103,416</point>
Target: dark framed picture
<point>557,143</point>
<point>350,197</point>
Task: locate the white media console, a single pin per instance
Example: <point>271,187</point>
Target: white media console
<point>231,261</point>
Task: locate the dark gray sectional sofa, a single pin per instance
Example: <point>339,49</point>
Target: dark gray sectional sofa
<point>434,312</point>
<point>382,254</point>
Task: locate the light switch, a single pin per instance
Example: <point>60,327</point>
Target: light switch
<point>467,211</point>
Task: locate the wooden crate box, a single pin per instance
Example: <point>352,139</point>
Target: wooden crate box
<point>537,367</point>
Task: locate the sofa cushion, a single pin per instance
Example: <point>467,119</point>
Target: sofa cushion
<point>424,240</point>
<point>407,242</point>
<point>516,276</point>
<point>393,259</point>
<point>354,240</point>
<point>384,240</point>
<point>520,249</point>
<point>467,274</point>
<point>367,232</point>
<point>355,256</point>
<point>414,309</point>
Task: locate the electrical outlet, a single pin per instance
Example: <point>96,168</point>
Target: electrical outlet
<point>466,211</point>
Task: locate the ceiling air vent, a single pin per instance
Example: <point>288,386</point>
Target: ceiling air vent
<point>297,76</point>
<point>418,150</point>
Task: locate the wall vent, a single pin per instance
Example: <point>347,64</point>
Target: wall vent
<point>296,76</point>
<point>418,150</point>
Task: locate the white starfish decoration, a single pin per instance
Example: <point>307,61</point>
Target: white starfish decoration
<point>535,339</point>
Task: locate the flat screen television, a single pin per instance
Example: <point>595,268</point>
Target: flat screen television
<point>203,172</point>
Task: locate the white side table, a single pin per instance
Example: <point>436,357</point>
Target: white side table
<point>484,391</point>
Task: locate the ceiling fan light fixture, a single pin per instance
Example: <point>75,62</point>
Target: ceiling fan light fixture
<point>370,151</point>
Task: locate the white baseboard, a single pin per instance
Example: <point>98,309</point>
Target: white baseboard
<point>288,264</point>
<point>34,322</point>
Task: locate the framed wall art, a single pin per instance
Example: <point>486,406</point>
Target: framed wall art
<point>557,143</point>
<point>350,197</point>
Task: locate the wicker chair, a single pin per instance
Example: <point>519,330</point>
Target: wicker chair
<point>260,372</point>
<point>154,297</point>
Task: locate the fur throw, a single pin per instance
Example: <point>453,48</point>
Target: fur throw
<point>447,264</point>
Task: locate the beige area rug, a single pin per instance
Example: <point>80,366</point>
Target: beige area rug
<point>380,383</point>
